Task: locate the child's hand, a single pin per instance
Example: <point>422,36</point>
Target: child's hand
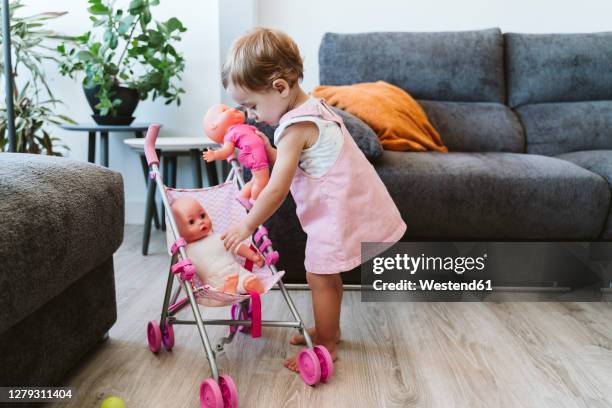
<point>265,139</point>
<point>270,150</point>
<point>234,235</point>
<point>209,155</point>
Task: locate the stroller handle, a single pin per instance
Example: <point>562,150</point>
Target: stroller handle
<point>149,146</point>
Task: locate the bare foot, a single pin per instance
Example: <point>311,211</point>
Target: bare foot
<point>299,339</point>
<point>292,363</point>
<point>253,284</point>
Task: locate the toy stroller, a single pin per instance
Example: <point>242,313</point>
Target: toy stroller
<point>315,362</point>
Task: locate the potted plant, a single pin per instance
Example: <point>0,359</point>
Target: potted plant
<point>127,57</point>
<point>34,103</point>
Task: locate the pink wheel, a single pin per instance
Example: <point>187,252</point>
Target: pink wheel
<point>325,361</point>
<point>210,394</point>
<point>168,336</point>
<point>229,392</point>
<point>310,368</point>
<point>154,336</point>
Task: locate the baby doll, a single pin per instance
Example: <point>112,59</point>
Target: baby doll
<point>226,125</point>
<point>215,266</point>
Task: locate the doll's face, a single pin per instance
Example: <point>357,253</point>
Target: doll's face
<point>192,220</point>
<point>218,119</point>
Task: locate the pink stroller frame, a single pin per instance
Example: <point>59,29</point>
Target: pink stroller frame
<point>315,362</point>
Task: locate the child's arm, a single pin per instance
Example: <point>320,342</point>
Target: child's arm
<point>219,154</point>
<point>272,196</point>
<point>287,159</point>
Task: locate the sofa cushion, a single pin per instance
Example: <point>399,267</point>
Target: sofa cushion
<point>448,66</point>
<point>62,218</point>
<point>398,120</point>
<point>476,127</point>
<point>555,128</point>
<point>558,67</point>
<point>494,196</point>
<point>599,162</point>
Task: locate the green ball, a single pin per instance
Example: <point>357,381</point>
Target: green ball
<point>113,402</point>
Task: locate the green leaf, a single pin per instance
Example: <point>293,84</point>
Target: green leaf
<point>98,9</point>
<point>126,24</point>
<point>174,24</point>
<point>146,16</point>
<point>135,6</point>
<point>84,55</point>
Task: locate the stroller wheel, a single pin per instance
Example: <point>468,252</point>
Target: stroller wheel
<point>228,391</point>
<point>210,394</point>
<point>310,368</point>
<point>154,336</point>
<point>326,362</point>
<point>168,336</point>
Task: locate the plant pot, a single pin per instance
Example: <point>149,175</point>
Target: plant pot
<point>129,100</point>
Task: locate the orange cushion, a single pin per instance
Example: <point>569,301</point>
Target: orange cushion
<point>398,120</point>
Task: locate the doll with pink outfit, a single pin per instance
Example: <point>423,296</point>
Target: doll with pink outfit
<point>214,265</point>
<point>226,126</point>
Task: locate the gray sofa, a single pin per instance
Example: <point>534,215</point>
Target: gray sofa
<point>527,120</point>
<point>62,221</point>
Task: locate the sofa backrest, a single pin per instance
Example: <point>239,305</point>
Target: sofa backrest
<point>464,66</point>
<point>561,87</point>
<point>458,77</point>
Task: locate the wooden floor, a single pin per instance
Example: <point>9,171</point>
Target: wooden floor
<point>392,355</point>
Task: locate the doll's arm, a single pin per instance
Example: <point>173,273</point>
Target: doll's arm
<point>219,154</point>
<point>246,252</point>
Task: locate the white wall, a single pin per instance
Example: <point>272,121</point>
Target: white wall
<point>235,17</point>
<point>200,46</point>
<point>307,21</point>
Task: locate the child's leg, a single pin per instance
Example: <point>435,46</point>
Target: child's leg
<point>326,303</point>
<point>298,339</point>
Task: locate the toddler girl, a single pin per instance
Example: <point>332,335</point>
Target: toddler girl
<point>340,200</point>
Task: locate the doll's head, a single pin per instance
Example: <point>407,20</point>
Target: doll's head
<point>192,220</point>
<point>219,119</point>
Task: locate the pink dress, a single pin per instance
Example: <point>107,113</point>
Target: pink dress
<point>252,149</point>
<point>344,207</point>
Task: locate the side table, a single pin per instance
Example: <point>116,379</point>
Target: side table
<point>137,128</point>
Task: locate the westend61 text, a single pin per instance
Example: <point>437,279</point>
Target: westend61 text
<point>432,285</point>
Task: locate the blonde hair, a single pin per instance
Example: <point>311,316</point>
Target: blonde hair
<point>261,56</point>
